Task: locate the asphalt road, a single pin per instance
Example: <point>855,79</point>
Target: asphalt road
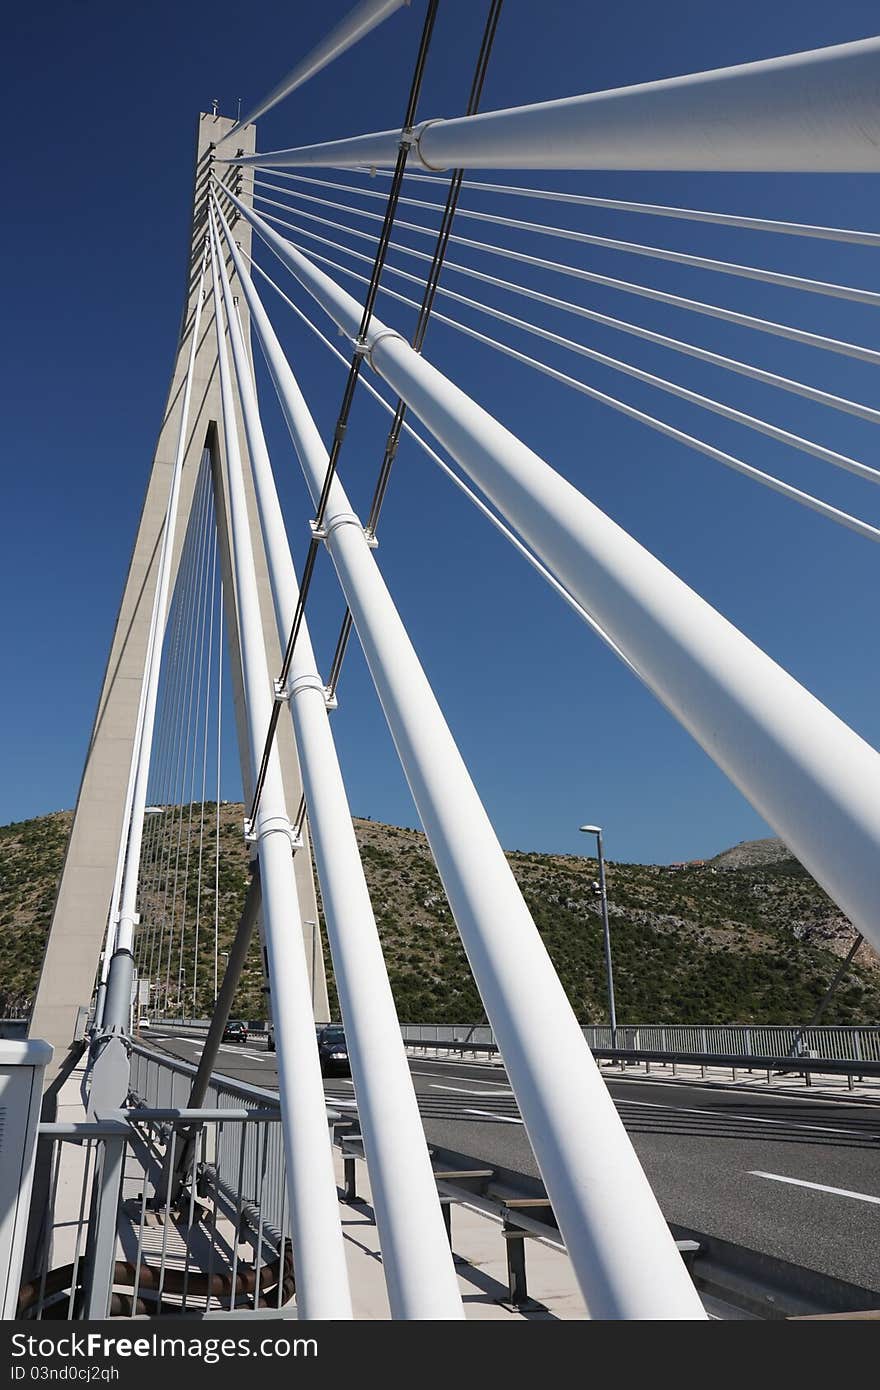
<point>798,1178</point>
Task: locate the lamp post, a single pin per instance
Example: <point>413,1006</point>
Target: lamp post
<point>603,898</point>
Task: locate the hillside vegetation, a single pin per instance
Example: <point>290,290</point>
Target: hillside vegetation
<point>748,937</point>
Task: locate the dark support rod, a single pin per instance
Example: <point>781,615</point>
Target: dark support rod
<point>829,993</point>
<point>219,1020</point>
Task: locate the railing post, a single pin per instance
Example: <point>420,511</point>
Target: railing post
<point>101,1248</point>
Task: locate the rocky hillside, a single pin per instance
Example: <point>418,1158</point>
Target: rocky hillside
<point>746,937</point>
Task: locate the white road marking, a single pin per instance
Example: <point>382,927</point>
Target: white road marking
<point>487,1114</point>
<point>685,1083</point>
<point>816,1186</point>
<point>337,1100</point>
<point>750,1119</point>
<point>484,1080</point>
<point>465,1091</point>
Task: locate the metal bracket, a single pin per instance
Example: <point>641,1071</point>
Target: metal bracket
<point>250,836</point>
<point>330,700</point>
<point>319,533</point>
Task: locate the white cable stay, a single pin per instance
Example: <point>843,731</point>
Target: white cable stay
<point>549,195</point>
<point>806,499</point>
<point>322,1279</point>
<point>614,1232</point>
<point>854,293</point>
<point>817,111</point>
<point>455,478</point>
<point>356,25</point>
<point>740,417</point>
<point>788,331</point>
<point>799,388</point>
<point>416,1257</point>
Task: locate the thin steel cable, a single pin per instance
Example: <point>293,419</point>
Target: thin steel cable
<point>740,417</point>
<point>783,383</point>
<point>181,598</point>
<point>695,306</point>
<point>188,701</point>
<point>722,219</point>
<point>161,761</point>
<point>729,460</point>
<point>855,293</point>
<point>182,738</point>
<point>348,394</point>
<point>183,589</point>
<point>219,760</point>
<point>210,530</point>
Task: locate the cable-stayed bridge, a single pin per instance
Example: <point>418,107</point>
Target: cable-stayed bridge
<point>213,626</point>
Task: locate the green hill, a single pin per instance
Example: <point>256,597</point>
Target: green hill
<point>747,937</point>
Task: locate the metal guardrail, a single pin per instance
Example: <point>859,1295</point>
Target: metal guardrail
<point>245,1161</point>
<point>180,1255</point>
<point>737,1061</point>
<point>841,1043</point>
<point>742,1040</point>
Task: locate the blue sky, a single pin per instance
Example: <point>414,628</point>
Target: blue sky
<point>103,100</point>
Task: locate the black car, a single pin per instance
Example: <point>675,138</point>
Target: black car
<point>333,1051</point>
<point>235,1032</point>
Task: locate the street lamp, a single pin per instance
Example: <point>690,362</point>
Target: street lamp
<point>603,898</point>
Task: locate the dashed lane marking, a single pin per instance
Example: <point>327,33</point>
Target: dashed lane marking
<point>816,1186</point>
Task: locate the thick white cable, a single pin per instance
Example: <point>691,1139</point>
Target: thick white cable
<point>817,111</point>
<point>615,1234</point>
<point>355,26</point>
<point>450,473</point>
<point>416,1257</point>
<point>321,1276</point>
<point>658,253</point>
<point>717,359</point>
<point>695,306</point>
<point>820,397</point>
<point>811,776</point>
<point>769,480</point>
<point>723,219</point>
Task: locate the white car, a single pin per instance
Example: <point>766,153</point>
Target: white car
<point>143,1023</point>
